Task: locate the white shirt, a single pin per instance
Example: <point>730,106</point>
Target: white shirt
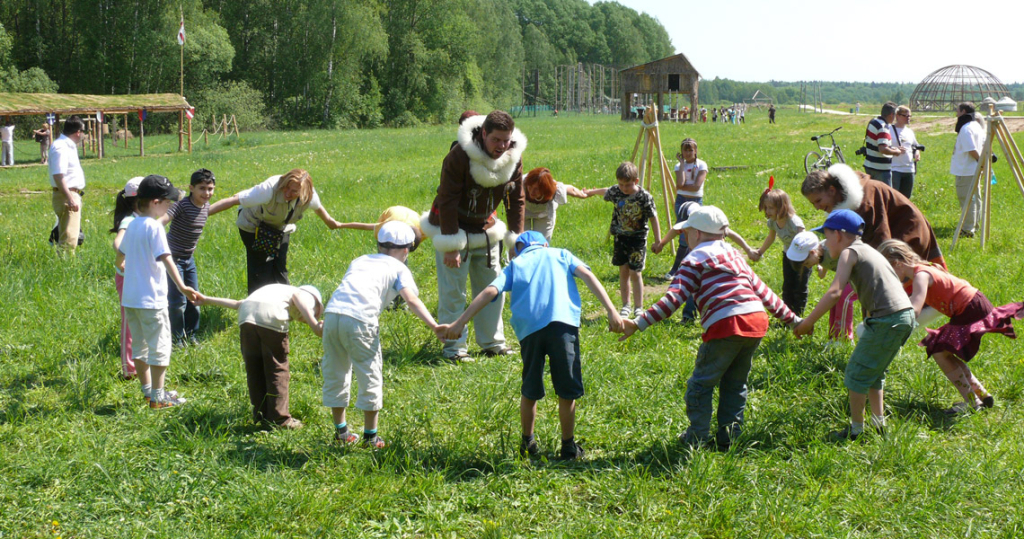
<point>145,279</point>
<point>371,282</point>
<point>124,226</point>
<point>63,159</point>
<point>7,133</point>
<point>906,137</point>
<point>263,202</point>
<point>268,307</point>
<point>548,209</point>
<point>971,137</point>
<point>690,173</point>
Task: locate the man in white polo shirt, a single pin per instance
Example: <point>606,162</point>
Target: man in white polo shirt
<point>68,183</point>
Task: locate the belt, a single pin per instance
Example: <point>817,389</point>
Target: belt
<point>72,189</point>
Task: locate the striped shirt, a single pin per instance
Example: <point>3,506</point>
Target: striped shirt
<point>876,136</point>
<point>187,222</point>
<point>722,285</point>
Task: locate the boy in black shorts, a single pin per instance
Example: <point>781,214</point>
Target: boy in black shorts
<point>633,208</point>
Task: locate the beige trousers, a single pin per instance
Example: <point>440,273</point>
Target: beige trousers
<point>69,222</point>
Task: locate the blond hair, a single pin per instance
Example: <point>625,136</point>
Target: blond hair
<point>778,199</point>
<point>898,251</point>
<point>305,184</point>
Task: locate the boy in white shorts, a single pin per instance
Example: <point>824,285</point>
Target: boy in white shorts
<point>147,265</point>
<point>351,334</point>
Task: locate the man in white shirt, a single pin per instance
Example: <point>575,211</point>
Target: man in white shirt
<point>68,183</point>
<point>904,166</point>
<point>7,143</point>
<point>970,140</point>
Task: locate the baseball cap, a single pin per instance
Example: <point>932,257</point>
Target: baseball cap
<point>155,186</point>
<point>396,233</point>
<point>312,290</point>
<point>801,246</point>
<point>707,219</point>
<point>528,239</point>
<point>845,220</point>
<point>131,189</point>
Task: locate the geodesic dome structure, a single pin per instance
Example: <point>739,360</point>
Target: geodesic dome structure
<point>944,88</point>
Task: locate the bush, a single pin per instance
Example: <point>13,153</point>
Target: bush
<point>237,98</point>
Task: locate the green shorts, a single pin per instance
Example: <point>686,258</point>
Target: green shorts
<point>882,339</point>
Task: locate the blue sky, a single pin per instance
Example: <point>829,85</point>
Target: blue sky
<point>792,40</point>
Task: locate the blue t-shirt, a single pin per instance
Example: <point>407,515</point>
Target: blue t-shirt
<point>543,286</point>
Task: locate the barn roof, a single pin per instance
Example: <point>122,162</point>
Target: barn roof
<point>23,104</point>
<point>677,58</point>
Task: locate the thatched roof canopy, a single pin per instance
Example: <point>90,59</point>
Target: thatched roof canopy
<point>23,104</point>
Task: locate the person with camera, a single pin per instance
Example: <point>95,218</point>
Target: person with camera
<point>878,146</point>
<point>970,139</point>
<point>904,166</point>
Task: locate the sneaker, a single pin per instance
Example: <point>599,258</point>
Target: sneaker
<point>571,452</point>
<point>289,424</point>
<point>169,401</point>
<point>170,394</point>
<point>987,401</point>
<point>345,437</point>
<point>669,276</point>
<point>531,448</point>
<point>638,312</point>
<point>845,435</point>
<point>374,443</point>
<point>626,312</point>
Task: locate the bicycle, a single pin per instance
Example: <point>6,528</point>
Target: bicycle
<point>829,154</point>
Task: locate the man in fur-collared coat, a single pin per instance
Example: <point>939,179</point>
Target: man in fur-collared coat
<point>481,172</point>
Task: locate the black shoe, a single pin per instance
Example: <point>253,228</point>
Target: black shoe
<point>531,448</point>
<point>502,351</point>
<point>573,451</point>
<point>841,436</point>
<point>987,401</point>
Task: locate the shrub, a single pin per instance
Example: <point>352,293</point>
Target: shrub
<point>237,98</point>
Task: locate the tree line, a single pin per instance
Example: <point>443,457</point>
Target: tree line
<point>316,63</point>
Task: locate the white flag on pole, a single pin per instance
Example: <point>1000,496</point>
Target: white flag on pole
<point>181,33</point>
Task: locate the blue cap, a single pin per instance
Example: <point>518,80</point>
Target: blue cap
<point>529,239</point>
<point>845,220</point>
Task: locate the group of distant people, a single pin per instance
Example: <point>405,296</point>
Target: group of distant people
<point>7,126</point>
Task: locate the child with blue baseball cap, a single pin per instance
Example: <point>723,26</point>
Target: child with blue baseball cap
<point>546,308</point>
<point>888,318</point>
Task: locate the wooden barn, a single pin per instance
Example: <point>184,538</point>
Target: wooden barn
<point>673,76</point>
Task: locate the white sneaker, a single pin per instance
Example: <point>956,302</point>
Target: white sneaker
<point>638,312</point>
<point>168,401</point>
<point>626,312</point>
<point>670,276</point>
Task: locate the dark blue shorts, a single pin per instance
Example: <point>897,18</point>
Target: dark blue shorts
<point>561,343</point>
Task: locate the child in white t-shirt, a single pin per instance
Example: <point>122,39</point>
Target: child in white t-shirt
<point>543,197</point>
<point>690,174</point>
<point>351,335</point>
<point>147,265</point>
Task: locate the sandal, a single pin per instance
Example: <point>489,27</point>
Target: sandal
<point>503,351</point>
<point>374,443</point>
<point>461,357</point>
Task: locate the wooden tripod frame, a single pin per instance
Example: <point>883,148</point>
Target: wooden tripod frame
<point>996,131</point>
<point>651,138</point>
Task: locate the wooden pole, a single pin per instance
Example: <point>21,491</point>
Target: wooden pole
<point>142,138</point>
<point>235,123</point>
<point>181,121</point>
<point>125,131</point>
<point>190,135</point>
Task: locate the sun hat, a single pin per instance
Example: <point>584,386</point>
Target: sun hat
<point>154,187</point>
<point>131,189</point>
<point>844,220</point>
<point>314,292</point>
<point>707,219</point>
<point>529,239</point>
<point>396,233</point>
<point>801,246</point>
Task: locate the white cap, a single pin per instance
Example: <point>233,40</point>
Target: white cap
<point>312,290</point>
<point>397,233</point>
<point>131,189</point>
<point>801,246</point>
<point>707,219</point>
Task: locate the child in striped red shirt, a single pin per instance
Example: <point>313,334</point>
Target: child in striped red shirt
<point>732,301</point>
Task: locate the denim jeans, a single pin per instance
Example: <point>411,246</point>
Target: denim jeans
<point>884,176</point>
<point>903,182</point>
<point>794,285</point>
<point>183,313</point>
<point>723,363</point>
<point>690,308</point>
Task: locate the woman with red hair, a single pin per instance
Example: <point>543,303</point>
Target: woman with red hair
<point>543,196</point>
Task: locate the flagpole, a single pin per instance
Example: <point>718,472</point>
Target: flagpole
<point>182,53</point>
<point>181,113</point>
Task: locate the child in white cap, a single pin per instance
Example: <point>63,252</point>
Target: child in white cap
<point>351,335</point>
<point>732,300</point>
<point>263,331</point>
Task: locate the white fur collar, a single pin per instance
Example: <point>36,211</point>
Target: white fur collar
<point>486,171</point>
<point>852,188</point>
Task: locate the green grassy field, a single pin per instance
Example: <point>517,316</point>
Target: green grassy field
<point>81,456</point>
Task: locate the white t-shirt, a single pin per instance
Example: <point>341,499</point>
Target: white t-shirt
<point>906,139</point>
<point>971,137</point>
<point>547,210</point>
<point>690,173</point>
<point>371,282</point>
<point>7,133</point>
<point>145,279</point>
<point>268,307</point>
<point>263,202</point>
<point>63,159</point>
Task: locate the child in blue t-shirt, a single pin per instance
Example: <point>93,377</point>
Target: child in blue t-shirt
<point>545,306</point>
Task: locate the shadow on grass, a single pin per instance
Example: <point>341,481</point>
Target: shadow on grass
<point>400,354</point>
<point>918,411</point>
<point>261,457</point>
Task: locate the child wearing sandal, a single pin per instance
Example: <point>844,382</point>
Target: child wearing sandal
<point>351,335</point>
<point>784,224</point>
<point>971,316</point>
<point>546,310</point>
<point>888,318</point>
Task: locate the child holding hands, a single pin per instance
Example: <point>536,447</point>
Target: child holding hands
<point>888,319</point>
<point>147,266</point>
<point>351,335</point>
<point>634,207</point>
<point>971,315</point>
<point>546,310</point>
<point>732,301</point>
<point>543,197</point>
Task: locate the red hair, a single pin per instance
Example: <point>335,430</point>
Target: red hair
<point>545,183</point>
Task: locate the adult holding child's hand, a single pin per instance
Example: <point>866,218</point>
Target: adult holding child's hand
<point>267,219</point>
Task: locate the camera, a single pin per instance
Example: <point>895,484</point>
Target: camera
<point>918,147</point>
<point>863,151</point>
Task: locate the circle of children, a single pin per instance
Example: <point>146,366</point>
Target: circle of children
<point>891,263</point>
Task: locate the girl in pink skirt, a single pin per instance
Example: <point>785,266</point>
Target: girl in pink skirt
<point>970,313</point>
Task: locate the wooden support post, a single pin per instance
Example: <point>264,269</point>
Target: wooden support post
<point>190,135</point>
<point>125,131</point>
<point>181,122</point>
<point>142,138</point>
